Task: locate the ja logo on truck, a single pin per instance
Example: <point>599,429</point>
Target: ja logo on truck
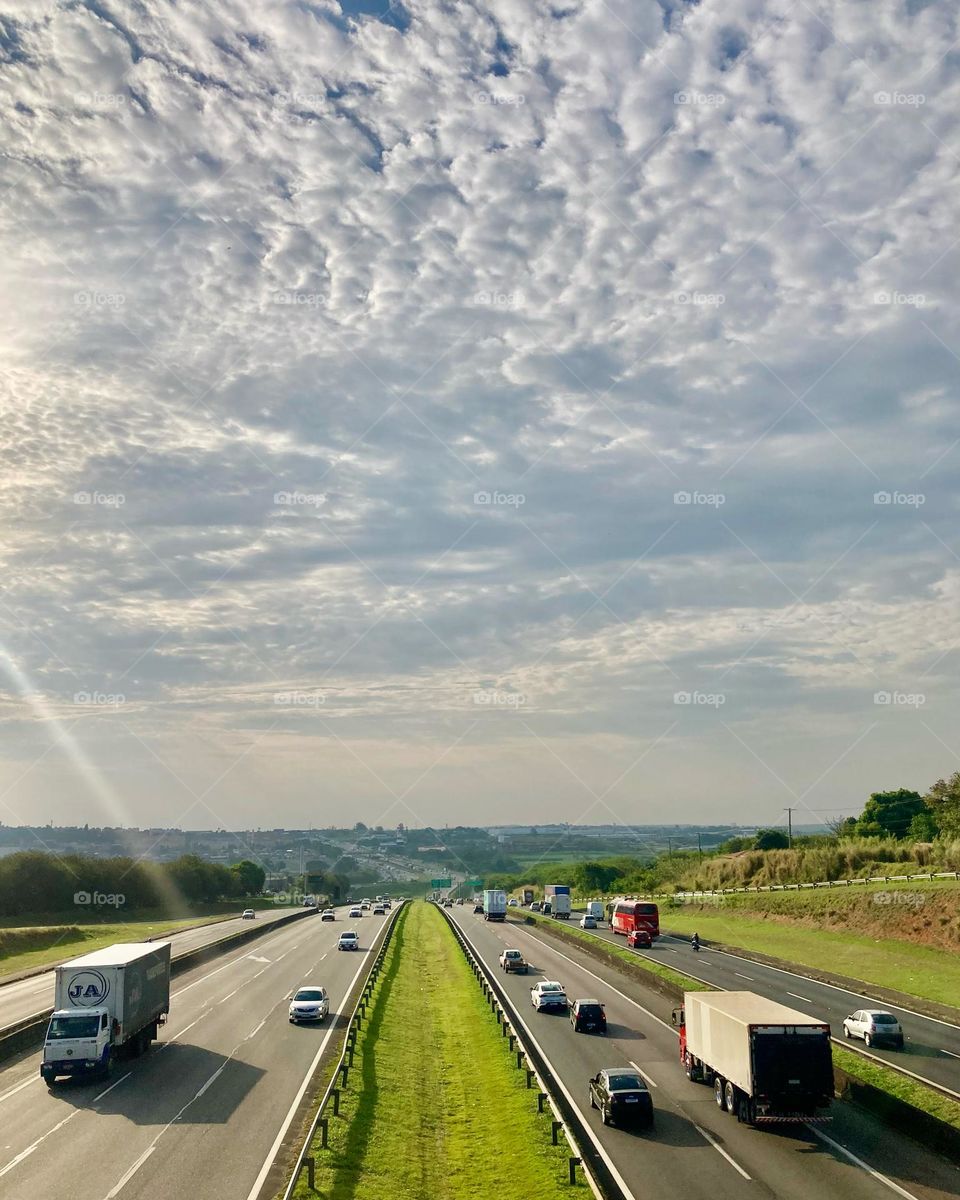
<point>88,989</point>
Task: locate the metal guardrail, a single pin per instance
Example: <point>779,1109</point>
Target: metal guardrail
<point>528,1057</point>
<point>343,1067</point>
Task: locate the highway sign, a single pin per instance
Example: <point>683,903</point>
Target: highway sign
<point>440,883</point>
<point>474,883</point>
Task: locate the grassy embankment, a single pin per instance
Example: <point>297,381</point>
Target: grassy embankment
<point>23,947</point>
<point>434,1105</point>
<point>905,937</point>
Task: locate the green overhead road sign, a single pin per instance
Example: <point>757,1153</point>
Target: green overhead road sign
<point>440,883</point>
<point>474,883</point>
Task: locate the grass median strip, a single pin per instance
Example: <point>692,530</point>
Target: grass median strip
<point>434,1104</point>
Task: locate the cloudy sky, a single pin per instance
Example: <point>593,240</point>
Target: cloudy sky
<point>468,410</point>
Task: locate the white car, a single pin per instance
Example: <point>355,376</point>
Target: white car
<point>354,913</point>
<point>309,1003</point>
<point>548,994</point>
<point>875,1027</point>
<point>248,915</point>
<point>588,922</point>
<point>513,903</point>
<point>348,941</point>
<point>328,915</point>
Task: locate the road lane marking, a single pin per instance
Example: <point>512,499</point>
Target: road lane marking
<point>796,997</point>
<point>860,1163</point>
<point>640,1071</point>
<point>291,1112</point>
<point>19,1087</point>
<point>133,1170</point>
<point>739,976</point>
<point>942,1051</point>
<point>720,1150</point>
<point>254,1032</point>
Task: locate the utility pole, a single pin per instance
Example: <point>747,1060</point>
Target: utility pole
<point>699,848</point>
<point>789,828</point>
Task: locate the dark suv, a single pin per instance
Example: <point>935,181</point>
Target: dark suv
<point>588,1016</point>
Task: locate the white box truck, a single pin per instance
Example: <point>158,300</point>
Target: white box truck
<point>494,905</point>
<point>105,1002</point>
<point>767,1063</point>
<point>595,909</point>
<point>558,894</point>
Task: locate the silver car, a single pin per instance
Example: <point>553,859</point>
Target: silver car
<point>309,1003</point>
<point>875,1027</point>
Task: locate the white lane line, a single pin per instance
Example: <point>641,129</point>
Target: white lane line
<point>740,976</point>
<point>40,1140</point>
<point>19,1087</point>
<point>229,995</point>
<point>291,1112</point>
<point>130,1174</point>
<point>942,1051</point>
<point>796,997</point>
<point>720,1150</point>
<point>640,1071</point>
<point>860,1163</point>
<point>254,1032</point>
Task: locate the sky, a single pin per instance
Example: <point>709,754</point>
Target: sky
<point>468,412</point>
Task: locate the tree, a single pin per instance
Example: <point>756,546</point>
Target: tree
<point>888,814</point>
<point>923,827</point>
<point>943,801</point>
<point>771,839</point>
<point>593,877</point>
<point>250,877</point>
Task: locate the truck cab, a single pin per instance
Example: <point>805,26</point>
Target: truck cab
<point>77,1043</point>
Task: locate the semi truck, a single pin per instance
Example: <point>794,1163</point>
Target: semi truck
<point>107,1002</point>
<point>494,905</point>
<point>528,894</point>
<point>559,896</point>
<point>766,1063</point>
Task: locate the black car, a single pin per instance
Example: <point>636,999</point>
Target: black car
<point>622,1097</point>
<point>477,908</point>
<point>588,1016</point>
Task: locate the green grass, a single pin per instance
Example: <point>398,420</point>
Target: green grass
<point>44,945</point>
<point>908,1090</point>
<point>434,1106</point>
<point>913,969</point>
<point>570,931</point>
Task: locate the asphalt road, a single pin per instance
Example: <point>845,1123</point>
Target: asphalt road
<point>199,1114</point>
<point>931,1048</point>
<point>697,1152</point>
<point>28,997</point>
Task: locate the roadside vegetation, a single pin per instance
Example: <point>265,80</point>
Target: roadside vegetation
<point>23,948</point>
<point>910,1091</point>
<point>822,933</point>
<point>434,1106</point>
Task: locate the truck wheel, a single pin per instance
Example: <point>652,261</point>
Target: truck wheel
<point>730,1097</point>
<point>718,1092</point>
<point>688,1065</point>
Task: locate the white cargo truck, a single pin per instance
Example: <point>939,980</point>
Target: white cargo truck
<point>106,1002</point>
<point>494,905</point>
<point>766,1063</point>
<point>595,909</point>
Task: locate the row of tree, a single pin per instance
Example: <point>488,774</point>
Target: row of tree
<point>906,814</point>
<point>33,882</point>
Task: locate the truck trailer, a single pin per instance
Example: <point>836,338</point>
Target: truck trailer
<point>767,1063</point>
<point>559,896</point>
<point>106,1002</point>
<point>494,904</point>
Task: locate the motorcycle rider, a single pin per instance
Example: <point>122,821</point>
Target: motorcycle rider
<point>695,941</point>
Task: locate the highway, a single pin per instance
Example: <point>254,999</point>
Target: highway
<point>931,1049</point>
<point>199,1114</point>
<point>27,997</point>
<point>697,1152</point>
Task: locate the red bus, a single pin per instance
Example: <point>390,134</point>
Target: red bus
<point>623,916</point>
